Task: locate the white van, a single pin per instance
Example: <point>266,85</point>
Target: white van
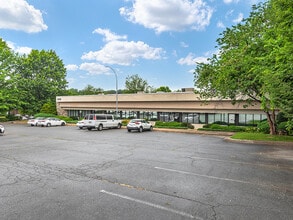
<point>101,121</point>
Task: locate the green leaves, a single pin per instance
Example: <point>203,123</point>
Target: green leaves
<point>255,60</point>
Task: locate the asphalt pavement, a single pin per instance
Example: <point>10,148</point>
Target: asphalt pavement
<point>67,173</point>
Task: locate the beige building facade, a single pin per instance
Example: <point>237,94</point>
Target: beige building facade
<point>175,106</point>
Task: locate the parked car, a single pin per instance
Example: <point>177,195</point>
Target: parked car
<point>139,125</point>
<point>48,122</point>
<point>35,121</point>
<point>2,129</point>
<point>80,124</point>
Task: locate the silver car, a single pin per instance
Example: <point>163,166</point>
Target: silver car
<point>35,121</point>
<point>48,122</point>
<point>139,125</point>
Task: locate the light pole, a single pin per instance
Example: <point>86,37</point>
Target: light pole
<point>116,87</point>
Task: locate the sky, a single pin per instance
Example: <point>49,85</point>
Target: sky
<point>159,40</point>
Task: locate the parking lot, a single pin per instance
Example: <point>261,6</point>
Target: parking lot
<point>67,173</point>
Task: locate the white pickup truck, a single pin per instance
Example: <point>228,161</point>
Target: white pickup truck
<point>101,121</point>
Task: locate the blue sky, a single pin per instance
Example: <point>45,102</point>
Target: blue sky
<point>160,40</point>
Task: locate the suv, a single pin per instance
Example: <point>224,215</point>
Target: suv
<point>139,125</point>
<point>101,121</point>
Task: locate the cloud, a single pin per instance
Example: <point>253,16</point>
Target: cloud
<point>169,15</point>
<point>191,60</point>
<point>239,18</point>
<point>220,24</point>
<point>183,44</point>
<point>71,67</point>
<point>124,53</point>
<point>19,15</point>
<point>17,49</point>
<point>108,35</point>
<point>94,68</point>
<point>230,1</point>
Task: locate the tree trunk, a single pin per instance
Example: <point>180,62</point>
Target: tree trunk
<point>272,122</point>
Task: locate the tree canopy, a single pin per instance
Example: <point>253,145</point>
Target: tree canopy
<point>135,83</point>
<point>254,62</point>
<point>27,82</point>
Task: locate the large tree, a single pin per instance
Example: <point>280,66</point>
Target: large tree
<point>135,83</point>
<point>42,78</point>
<point>8,89</point>
<point>248,66</point>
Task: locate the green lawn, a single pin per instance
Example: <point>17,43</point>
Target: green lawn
<point>261,137</point>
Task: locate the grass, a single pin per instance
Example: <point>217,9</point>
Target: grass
<point>261,137</point>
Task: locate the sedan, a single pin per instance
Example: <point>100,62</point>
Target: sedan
<point>2,129</point>
<point>35,121</point>
<point>48,122</point>
<point>139,125</point>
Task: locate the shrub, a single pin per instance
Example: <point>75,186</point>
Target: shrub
<point>263,127</point>
<point>220,123</point>
<point>172,124</point>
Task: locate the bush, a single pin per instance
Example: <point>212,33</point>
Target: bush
<point>173,124</point>
<point>263,127</point>
<point>217,127</point>
<point>220,123</point>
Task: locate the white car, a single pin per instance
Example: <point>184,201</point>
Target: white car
<point>139,125</point>
<point>80,124</point>
<point>48,122</point>
<point>2,129</point>
<point>34,121</point>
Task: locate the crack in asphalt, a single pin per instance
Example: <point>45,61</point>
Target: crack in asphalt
<point>21,173</point>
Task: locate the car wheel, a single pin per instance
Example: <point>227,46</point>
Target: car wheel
<point>140,129</point>
<point>129,130</point>
<point>119,126</point>
<point>49,125</point>
<point>80,127</point>
<point>62,124</point>
<point>100,127</point>
<point>32,125</point>
<point>89,129</point>
<point>151,128</point>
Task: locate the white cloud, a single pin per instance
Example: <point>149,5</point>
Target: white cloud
<point>108,35</point>
<point>19,15</point>
<point>220,24</point>
<point>191,60</point>
<point>94,68</point>
<point>169,15</point>
<point>17,49</point>
<point>124,53</point>
<point>239,18</point>
<point>183,44</point>
<point>230,1</point>
<point>71,67</point>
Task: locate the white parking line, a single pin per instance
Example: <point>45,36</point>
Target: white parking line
<point>151,205</point>
<point>206,176</point>
<point>236,162</point>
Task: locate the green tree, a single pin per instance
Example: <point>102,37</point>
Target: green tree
<point>49,108</point>
<point>8,89</point>
<point>135,83</point>
<point>42,78</point>
<point>90,90</point>
<point>163,89</point>
<point>247,66</point>
<point>278,41</point>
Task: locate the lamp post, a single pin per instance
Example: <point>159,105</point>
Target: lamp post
<point>116,87</point>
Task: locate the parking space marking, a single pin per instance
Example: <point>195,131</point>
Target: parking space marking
<point>206,176</point>
<point>151,204</point>
<point>242,163</point>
